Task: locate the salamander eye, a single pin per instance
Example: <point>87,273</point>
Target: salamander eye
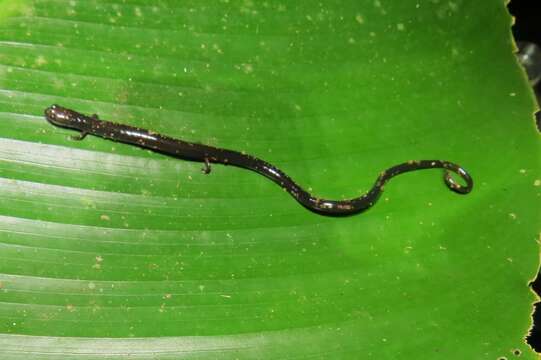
<point>50,112</point>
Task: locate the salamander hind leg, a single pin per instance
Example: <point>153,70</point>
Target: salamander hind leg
<point>206,167</point>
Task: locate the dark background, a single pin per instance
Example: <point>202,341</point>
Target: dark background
<point>527,27</point>
<point>527,20</point>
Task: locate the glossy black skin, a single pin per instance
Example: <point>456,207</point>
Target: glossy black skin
<point>67,118</point>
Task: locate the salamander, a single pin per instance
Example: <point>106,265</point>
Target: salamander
<point>67,118</point>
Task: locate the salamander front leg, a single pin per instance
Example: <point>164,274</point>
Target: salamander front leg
<point>79,137</point>
<point>206,168</point>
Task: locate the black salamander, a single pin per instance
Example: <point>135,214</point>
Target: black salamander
<point>63,117</point>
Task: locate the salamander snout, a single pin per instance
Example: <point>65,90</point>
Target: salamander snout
<point>54,114</point>
<point>60,116</point>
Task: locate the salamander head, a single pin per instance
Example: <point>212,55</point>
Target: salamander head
<point>60,116</point>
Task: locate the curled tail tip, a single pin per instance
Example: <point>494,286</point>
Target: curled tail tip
<point>455,186</point>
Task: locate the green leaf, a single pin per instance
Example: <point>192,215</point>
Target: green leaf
<point>110,251</point>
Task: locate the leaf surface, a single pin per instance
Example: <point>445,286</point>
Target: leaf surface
<point>110,251</point>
